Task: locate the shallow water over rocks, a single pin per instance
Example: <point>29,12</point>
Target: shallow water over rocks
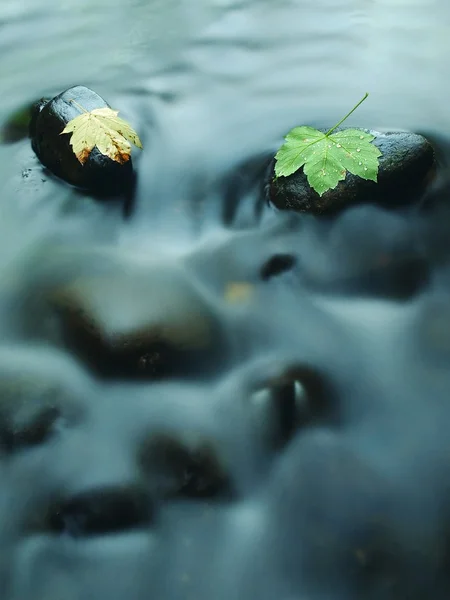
<point>206,397</point>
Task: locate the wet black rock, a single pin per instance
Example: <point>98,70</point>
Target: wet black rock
<point>99,173</point>
<point>406,166</point>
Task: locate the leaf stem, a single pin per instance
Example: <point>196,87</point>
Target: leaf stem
<point>82,107</point>
<point>346,116</point>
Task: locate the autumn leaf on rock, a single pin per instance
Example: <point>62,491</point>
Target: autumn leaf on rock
<point>327,157</point>
<point>101,128</point>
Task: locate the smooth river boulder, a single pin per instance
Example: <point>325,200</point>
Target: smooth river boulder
<point>406,166</point>
<point>99,173</point>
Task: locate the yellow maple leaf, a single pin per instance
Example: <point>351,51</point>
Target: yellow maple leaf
<point>102,128</point>
<point>238,292</point>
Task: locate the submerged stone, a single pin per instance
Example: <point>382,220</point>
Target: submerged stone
<point>16,126</point>
<point>99,173</point>
<point>405,167</point>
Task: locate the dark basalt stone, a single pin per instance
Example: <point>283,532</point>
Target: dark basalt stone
<point>405,167</point>
<point>49,117</point>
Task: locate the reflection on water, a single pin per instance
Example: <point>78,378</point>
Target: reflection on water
<point>211,399</point>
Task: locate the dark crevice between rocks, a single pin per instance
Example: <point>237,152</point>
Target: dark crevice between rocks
<point>197,472</point>
<point>244,185</point>
<point>33,411</point>
<point>299,397</point>
<point>102,511</point>
<point>277,265</point>
<point>14,437</point>
<point>394,278</point>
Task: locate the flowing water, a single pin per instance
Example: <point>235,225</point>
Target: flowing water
<point>206,398</point>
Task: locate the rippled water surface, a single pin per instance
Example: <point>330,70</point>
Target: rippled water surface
<point>207,398</point>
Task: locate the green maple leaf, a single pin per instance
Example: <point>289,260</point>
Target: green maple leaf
<point>327,157</point>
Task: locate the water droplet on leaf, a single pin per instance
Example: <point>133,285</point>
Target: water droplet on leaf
<point>297,152</point>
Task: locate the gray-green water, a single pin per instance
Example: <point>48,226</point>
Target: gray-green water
<point>210,83</point>
<point>180,419</point>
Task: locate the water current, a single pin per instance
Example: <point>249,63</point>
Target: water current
<point>208,398</point>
